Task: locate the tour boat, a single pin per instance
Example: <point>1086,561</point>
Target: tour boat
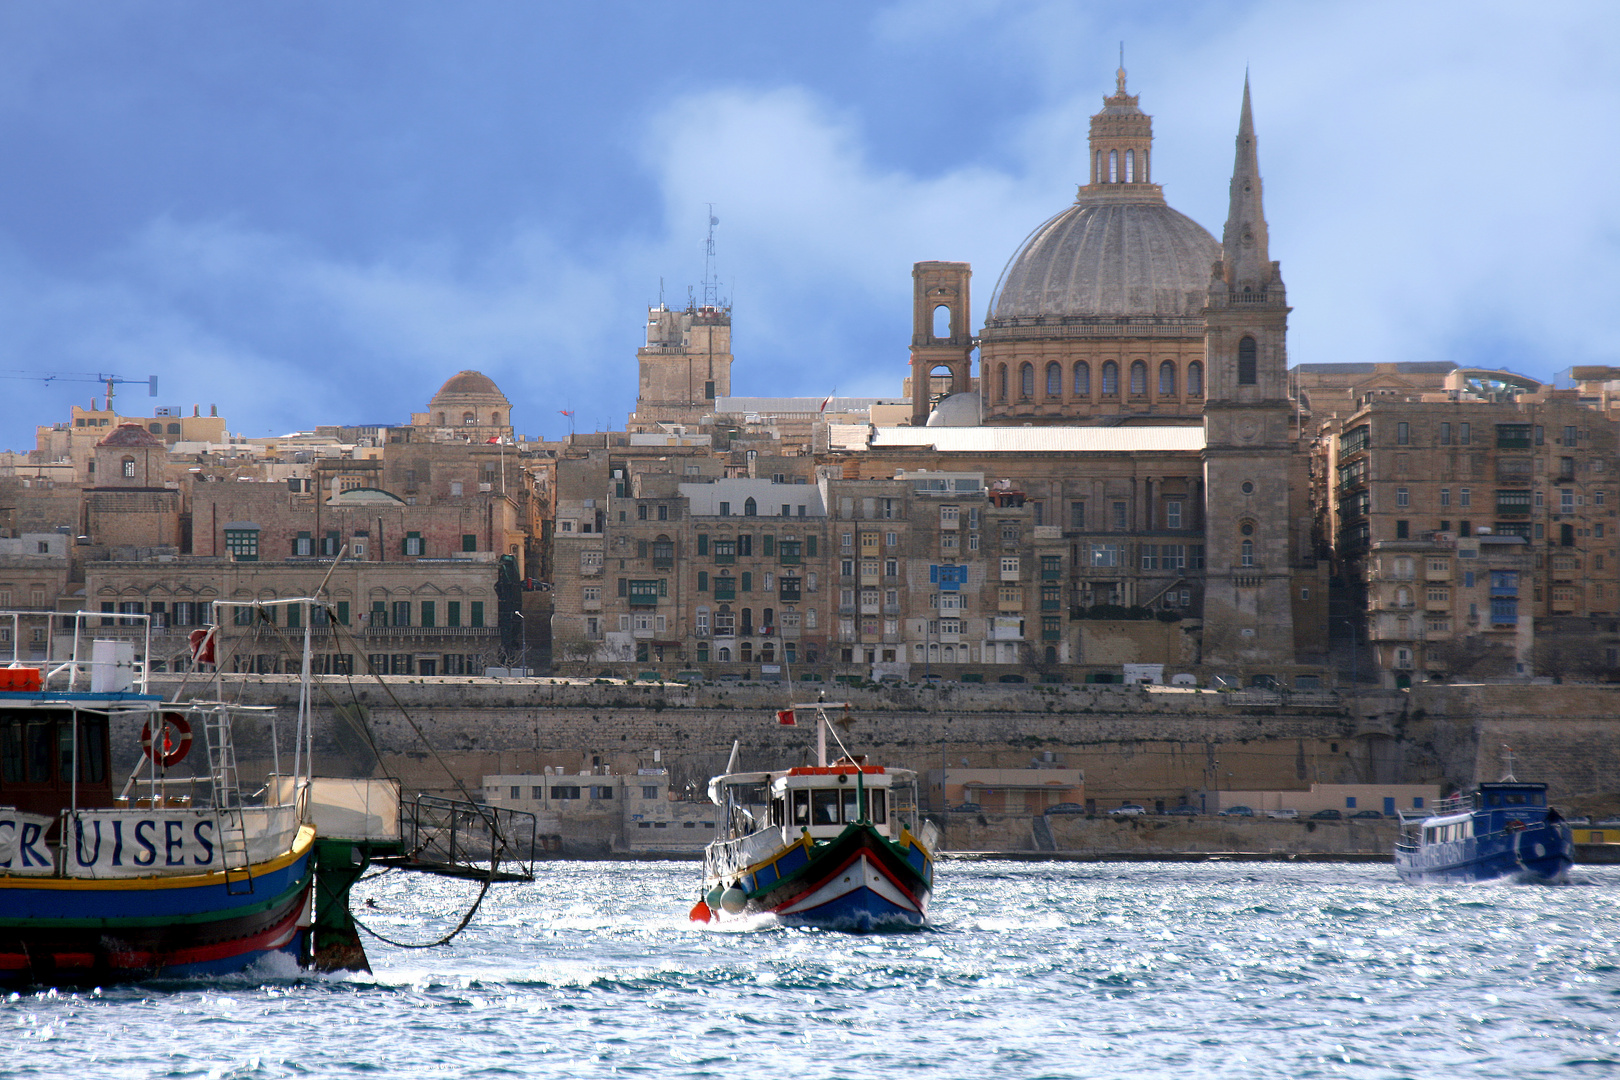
<point>839,846</point>
<point>182,872</point>
<point>1500,830</point>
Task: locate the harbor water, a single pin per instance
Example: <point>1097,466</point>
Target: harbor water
<point>1032,970</point>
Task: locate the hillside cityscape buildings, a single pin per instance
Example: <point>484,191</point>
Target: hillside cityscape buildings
<point>1128,473</point>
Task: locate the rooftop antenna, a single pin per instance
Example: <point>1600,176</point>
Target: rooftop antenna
<point>711,287</point>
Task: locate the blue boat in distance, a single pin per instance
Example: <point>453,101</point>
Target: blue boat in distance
<point>1500,830</point>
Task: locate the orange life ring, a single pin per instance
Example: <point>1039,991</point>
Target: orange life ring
<point>176,740</point>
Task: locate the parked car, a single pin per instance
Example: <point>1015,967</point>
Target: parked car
<point>1326,815</point>
<point>1182,811</point>
<point>1282,813</point>
<point>1128,810</point>
<point>967,808</point>
<point>1367,814</point>
<point>1066,808</point>
<point>729,676</point>
<point>1237,811</point>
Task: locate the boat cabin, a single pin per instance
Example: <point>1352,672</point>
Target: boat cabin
<point>53,757</point>
<point>820,800</point>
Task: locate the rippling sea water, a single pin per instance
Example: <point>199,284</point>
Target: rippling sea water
<point>1032,970</point>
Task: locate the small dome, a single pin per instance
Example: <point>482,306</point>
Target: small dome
<point>130,435</point>
<point>1108,256</point>
<point>957,410</point>
<point>465,385</point>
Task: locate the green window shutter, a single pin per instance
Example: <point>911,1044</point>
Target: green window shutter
<point>703,543</point>
<point>469,542</point>
<point>703,581</point>
<point>379,613</point>
<point>812,539</point>
<point>343,612</point>
<point>295,616</point>
<point>747,581</point>
<point>624,587</point>
<point>452,613</point>
<point>429,616</point>
<point>477,613</point>
<point>767,544</point>
<point>663,586</point>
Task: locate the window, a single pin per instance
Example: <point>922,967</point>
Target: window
<point>402,612</point>
<point>1054,380</point>
<point>1001,382</point>
<point>1195,379</point>
<point>1570,436</point>
<point>1403,529</point>
<point>477,615</point>
<point>1082,379</point>
<point>1172,514</point>
<point>1403,434</point>
<point>1246,365</point>
<point>1403,497</point>
<point>128,465</point>
<point>1465,497</point>
<point>303,544</point>
<point>1077,514</point>
<point>725,509</point>
<point>1248,554</point>
<point>243,544</point>
<point>1121,517</point>
<point>429,615</point>
<point>413,543</point>
<point>1445,496</point>
<point>1026,380</point>
<point>1138,378</point>
<point>1445,434</point>
<point>1566,501</point>
<point>1167,379</point>
<point>1110,379</point>
<point>1465,434</point>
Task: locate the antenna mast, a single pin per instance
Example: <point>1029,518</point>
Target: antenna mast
<point>711,287</point>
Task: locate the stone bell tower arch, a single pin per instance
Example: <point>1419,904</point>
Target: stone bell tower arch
<point>941,333</point>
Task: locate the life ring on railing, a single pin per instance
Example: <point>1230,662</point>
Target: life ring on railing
<point>176,740</point>
<point>1513,825</point>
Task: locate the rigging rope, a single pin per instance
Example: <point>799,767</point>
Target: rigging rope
<point>462,925</point>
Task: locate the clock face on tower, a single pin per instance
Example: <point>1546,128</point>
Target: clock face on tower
<point>1248,428</point>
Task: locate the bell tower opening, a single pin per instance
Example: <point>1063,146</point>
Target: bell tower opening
<point>941,335</point>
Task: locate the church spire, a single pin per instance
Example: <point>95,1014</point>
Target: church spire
<point>1245,250</point>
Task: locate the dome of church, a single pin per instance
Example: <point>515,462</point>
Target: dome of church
<point>958,410</point>
<point>466,385</point>
<point>130,435</point>
<point>1108,256</point>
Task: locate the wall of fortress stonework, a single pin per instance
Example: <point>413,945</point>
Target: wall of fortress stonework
<point>1133,744</point>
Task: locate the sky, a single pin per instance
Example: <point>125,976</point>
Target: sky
<point>313,213</point>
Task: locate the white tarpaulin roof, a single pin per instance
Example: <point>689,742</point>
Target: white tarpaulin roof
<point>1048,440</point>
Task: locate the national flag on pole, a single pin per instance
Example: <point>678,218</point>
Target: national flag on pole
<point>202,646</point>
<point>566,412</point>
<point>825,402</point>
<point>786,717</point>
<point>493,439</point>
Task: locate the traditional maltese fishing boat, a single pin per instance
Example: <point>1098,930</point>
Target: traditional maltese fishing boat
<point>839,846</point>
<point>1500,830</point>
<point>182,871</point>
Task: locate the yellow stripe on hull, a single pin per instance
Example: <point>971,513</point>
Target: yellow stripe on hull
<point>301,845</point>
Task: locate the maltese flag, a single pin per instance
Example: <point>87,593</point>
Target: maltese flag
<point>786,717</point>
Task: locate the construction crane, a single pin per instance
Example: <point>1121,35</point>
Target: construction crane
<point>84,376</point>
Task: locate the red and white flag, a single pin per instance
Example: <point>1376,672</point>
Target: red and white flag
<point>786,717</point>
<point>202,645</point>
<point>825,402</point>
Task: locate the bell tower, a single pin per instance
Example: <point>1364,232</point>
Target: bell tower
<point>1249,446</point>
<point>1121,143</point>
<point>941,334</point>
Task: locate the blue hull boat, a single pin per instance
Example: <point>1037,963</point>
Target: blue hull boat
<point>1501,830</point>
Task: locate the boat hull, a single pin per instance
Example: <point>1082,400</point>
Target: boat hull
<point>860,881</point>
<point>92,932</point>
<point>1538,853</point>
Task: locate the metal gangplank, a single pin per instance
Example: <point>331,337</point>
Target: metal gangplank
<point>460,839</point>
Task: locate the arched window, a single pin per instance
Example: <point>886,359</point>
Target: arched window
<point>129,468</point>
<point>1248,553</point>
<point>495,418</point>
<point>1167,379</point>
<point>1246,365</point>
<point>942,322</point>
<point>1195,379</point>
<point>1026,380</point>
<point>174,429</point>
<point>468,419</point>
<point>725,655</point>
<point>1130,166</point>
<point>1082,379</point>
<point>1403,597</point>
<point>1001,381</point>
<point>156,429</point>
<point>1054,380</point>
<point>1110,379</point>
<point>442,421</point>
<point>1138,378</point>
<point>1113,166</point>
<point>750,507</point>
<point>1096,169</point>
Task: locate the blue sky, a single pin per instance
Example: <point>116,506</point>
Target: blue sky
<point>316,213</point>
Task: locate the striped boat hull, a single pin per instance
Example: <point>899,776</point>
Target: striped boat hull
<point>861,881</point>
<point>56,930</point>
